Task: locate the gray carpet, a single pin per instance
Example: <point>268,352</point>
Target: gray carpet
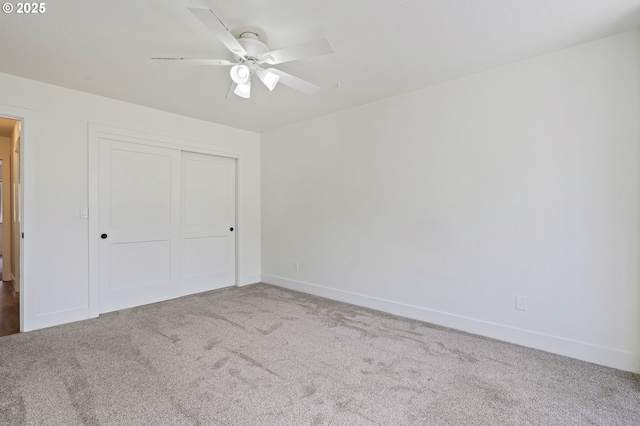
<point>262,355</point>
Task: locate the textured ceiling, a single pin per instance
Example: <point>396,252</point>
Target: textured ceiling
<point>382,48</point>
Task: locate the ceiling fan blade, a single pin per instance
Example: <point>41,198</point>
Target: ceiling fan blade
<point>303,50</point>
<point>211,21</point>
<point>295,82</point>
<point>195,61</point>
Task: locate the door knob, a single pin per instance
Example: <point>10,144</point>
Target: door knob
<point>103,236</point>
<point>231,229</point>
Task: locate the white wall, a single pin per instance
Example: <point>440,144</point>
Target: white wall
<point>446,203</point>
<point>55,279</point>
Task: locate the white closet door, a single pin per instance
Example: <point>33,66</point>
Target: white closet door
<point>208,222</point>
<point>139,221</point>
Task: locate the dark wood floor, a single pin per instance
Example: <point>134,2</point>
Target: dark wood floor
<point>9,307</point>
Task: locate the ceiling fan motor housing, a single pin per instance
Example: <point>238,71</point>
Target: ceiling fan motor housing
<point>253,46</point>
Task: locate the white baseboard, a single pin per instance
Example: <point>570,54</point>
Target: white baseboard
<point>249,279</point>
<point>73,315</point>
<point>614,358</point>
<point>55,318</point>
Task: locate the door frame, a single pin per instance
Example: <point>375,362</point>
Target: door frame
<point>7,229</point>
<point>26,206</point>
<point>100,131</point>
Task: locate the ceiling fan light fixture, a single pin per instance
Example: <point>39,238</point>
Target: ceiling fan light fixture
<point>250,52</point>
<point>269,78</point>
<point>243,89</point>
<point>240,74</point>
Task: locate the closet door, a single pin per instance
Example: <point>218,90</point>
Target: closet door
<point>208,222</point>
<point>139,224</point>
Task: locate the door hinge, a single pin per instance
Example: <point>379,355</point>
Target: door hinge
<point>23,235</point>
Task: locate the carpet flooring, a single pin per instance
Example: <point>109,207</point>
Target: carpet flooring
<point>263,355</point>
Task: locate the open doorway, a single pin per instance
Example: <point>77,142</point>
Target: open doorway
<point>9,227</point>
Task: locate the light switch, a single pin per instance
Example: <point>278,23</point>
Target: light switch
<point>84,212</point>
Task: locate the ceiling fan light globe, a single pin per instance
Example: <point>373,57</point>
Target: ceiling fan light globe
<point>240,74</point>
<point>269,78</point>
<point>243,90</point>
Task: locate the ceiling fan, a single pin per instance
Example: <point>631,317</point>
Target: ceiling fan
<point>251,54</point>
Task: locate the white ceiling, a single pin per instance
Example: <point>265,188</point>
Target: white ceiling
<point>382,48</point>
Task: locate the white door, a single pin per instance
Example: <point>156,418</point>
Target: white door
<point>139,222</point>
<point>208,222</point>
<point>166,221</point>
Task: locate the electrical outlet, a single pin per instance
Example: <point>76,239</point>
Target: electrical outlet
<point>296,265</point>
<point>84,213</point>
<point>521,303</point>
